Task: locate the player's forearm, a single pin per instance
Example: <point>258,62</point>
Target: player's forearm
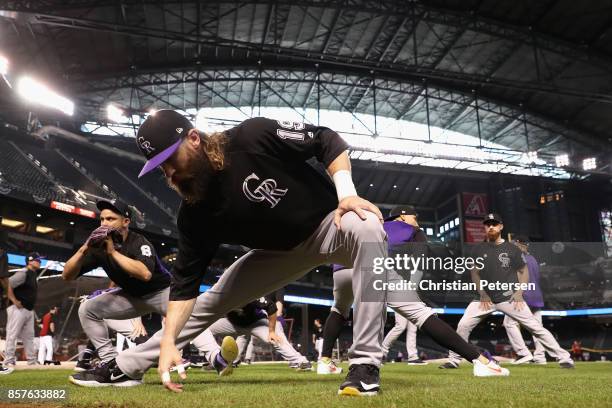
<point>523,277</point>
<point>177,315</point>
<point>8,289</point>
<point>72,267</point>
<point>272,323</point>
<point>475,275</point>
<point>132,267</point>
<point>340,171</point>
<point>279,308</point>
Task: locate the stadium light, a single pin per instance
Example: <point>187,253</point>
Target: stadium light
<point>562,160</point>
<point>589,164</point>
<point>35,92</point>
<point>4,64</point>
<point>115,114</point>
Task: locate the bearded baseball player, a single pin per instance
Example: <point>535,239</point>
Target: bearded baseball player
<point>252,185</point>
<point>401,228</point>
<point>503,263</point>
<point>130,261</point>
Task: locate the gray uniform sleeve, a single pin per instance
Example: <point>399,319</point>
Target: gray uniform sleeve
<point>18,278</point>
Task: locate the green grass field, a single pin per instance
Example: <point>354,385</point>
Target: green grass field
<point>275,385</point>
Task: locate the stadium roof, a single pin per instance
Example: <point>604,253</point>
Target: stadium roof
<point>526,75</point>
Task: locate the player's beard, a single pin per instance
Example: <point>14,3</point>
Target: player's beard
<point>192,186</point>
<point>492,236</point>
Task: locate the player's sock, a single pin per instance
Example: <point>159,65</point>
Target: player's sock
<point>445,336</point>
<point>331,332</point>
<point>88,353</point>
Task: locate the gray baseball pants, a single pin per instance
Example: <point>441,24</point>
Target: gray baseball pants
<point>206,342</point>
<point>260,272</point>
<point>474,315</point>
<point>117,305</point>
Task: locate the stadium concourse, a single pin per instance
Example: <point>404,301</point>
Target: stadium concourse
<point>250,202</point>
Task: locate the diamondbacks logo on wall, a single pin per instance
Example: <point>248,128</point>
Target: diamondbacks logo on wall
<point>475,205</point>
<point>504,259</point>
<point>265,191</point>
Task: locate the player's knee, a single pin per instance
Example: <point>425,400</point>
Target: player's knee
<point>370,228</point>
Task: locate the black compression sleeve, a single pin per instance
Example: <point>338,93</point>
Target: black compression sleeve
<point>445,336</point>
<point>331,331</point>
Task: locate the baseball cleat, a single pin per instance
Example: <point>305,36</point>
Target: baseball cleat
<point>228,352</point>
<point>304,366</point>
<point>327,366</point>
<point>5,370</point>
<point>83,365</point>
<point>523,360</point>
<point>539,362</point>
<point>449,365</point>
<point>491,369</point>
<point>105,375</point>
<point>567,364</point>
<point>417,361</point>
<point>361,380</point>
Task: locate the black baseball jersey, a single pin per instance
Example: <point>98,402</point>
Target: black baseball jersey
<point>250,313</point>
<point>267,197</point>
<point>501,262</point>
<point>135,247</point>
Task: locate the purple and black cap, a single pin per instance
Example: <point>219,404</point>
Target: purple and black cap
<point>401,210</point>
<point>116,206</point>
<point>35,256</point>
<point>160,136</point>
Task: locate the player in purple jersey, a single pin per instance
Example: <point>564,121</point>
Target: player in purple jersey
<point>401,228</point>
<point>535,300</point>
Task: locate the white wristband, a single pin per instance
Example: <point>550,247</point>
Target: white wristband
<point>344,184</point>
<point>165,377</point>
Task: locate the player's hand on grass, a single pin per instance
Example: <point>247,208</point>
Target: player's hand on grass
<point>357,205</point>
<point>139,329</point>
<point>273,338</point>
<point>169,357</point>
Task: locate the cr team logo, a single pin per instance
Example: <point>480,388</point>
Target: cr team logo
<point>265,191</point>
<point>504,259</point>
<point>145,145</point>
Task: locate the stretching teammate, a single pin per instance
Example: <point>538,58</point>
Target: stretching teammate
<point>257,319</point>
<point>252,185</point>
<point>503,263</point>
<point>129,331</point>
<point>130,262</point>
<point>401,229</point>
<point>535,301</point>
